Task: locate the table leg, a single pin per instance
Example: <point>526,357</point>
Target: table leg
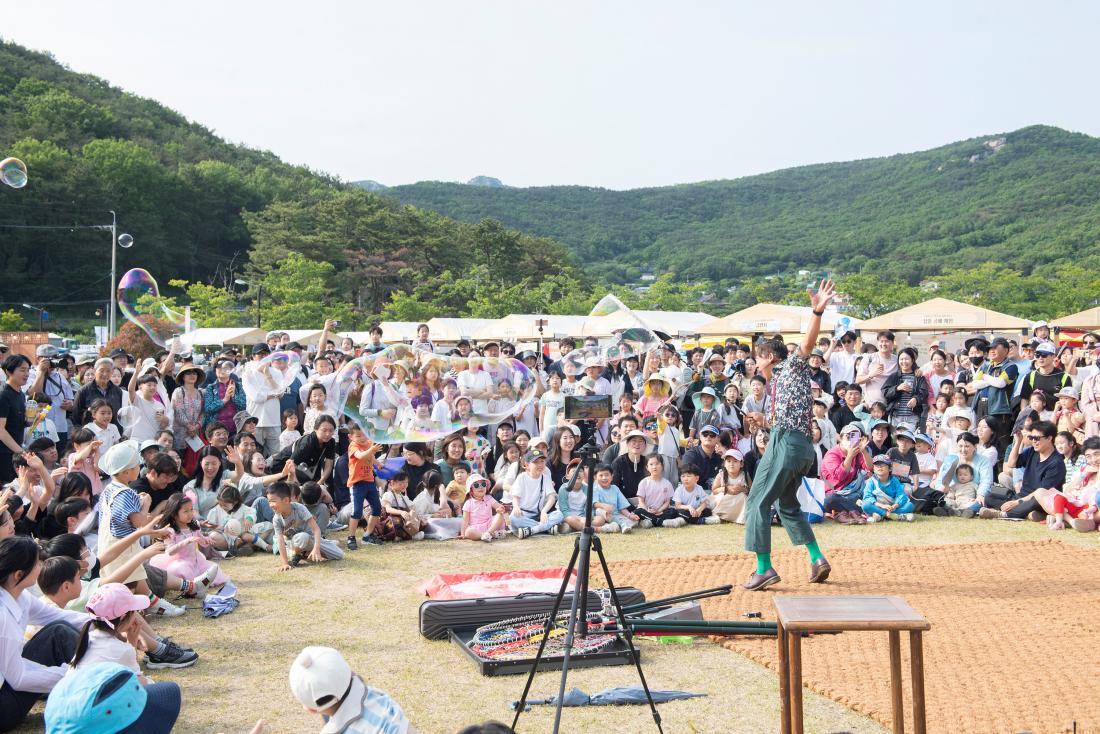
<point>916,660</point>
<point>784,681</point>
<point>895,682</point>
<point>795,641</point>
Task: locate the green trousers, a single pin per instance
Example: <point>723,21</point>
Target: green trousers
<point>789,458</point>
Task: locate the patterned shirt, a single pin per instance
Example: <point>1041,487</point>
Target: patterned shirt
<point>791,398</point>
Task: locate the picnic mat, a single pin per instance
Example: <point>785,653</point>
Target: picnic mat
<point>1014,639</point>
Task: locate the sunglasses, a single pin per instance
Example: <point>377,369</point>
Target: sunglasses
<point>480,485</point>
<point>1034,437</point>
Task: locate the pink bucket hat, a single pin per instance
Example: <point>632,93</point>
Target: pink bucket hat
<point>111,601</point>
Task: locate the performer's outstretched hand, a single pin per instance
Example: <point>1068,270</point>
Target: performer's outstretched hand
<point>824,295</point>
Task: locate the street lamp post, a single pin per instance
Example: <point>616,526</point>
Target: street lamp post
<point>259,295</point>
<point>39,310</point>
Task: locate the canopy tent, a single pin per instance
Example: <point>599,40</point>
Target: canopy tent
<point>522,326</point>
<point>770,318</point>
<point>1089,320</point>
<point>398,331</point>
<point>669,322</point>
<point>305,336</point>
<point>943,314</point>
<point>451,330</point>
<point>213,336</point>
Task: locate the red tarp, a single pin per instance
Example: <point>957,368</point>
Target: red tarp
<point>493,583</point>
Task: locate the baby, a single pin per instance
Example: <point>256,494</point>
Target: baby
<point>962,492</point>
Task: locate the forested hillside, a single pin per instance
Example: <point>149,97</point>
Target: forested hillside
<point>1027,200</point>
<point>204,212</point>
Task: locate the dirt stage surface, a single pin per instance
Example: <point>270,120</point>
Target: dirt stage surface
<point>1013,645</point>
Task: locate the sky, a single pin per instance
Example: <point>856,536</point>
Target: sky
<point>602,93</point>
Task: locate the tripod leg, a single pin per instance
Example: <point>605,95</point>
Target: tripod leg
<point>546,630</point>
<point>580,601</point>
<point>628,634</point>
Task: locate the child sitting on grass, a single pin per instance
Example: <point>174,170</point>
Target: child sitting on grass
<point>883,496</point>
<point>232,523</point>
<point>324,684</point>
<point>534,501</point>
<point>399,520</point>
<point>182,555</point>
<point>113,636</point>
<point>655,497</point>
<point>572,499</point>
<point>690,499</point>
<point>456,489</point>
<point>297,534</point>
<point>730,488</point>
<point>961,494</point>
<point>483,517</point>
<point>609,500</point>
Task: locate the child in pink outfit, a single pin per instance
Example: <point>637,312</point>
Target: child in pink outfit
<point>182,555</point>
<point>482,516</point>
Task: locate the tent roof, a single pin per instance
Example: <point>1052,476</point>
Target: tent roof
<point>943,314</point>
<point>221,336</point>
<point>522,326</point>
<point>1087,319</point>
<point>669,322</point>
<point>770,318</point>
<point>453,329</point>
<point>398,331</point>
<point>305,336</point>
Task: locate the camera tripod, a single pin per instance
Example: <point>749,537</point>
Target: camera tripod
<point>577,624</point>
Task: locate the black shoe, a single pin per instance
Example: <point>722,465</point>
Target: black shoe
<point>295,560</point>
<point>371,540</point>
<point>172,643</point>
<point>352,545</point>
<point>173,657</point>
<point>819,571</point>
<point>941,511</point>
<point>761,581</point>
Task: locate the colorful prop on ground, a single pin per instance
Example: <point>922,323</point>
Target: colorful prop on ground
<point>519,638</point>
<point>13,172</point>
<point>493,583</point>
<point>273,374</point>
<point>140,301</point>
<point>402,394</point>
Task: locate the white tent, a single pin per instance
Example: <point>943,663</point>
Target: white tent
<point>398,331</point>
<point>451,330</point>
<point>770,318</point>
<point>305,336</point>
<point>943,315</point>
<point>221,336</point>
<point>669,322</point>
<point>522,326</point>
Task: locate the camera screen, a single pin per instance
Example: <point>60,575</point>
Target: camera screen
<point>587,407</point>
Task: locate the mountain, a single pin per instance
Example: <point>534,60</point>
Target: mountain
<point>1026,198</point>
<point>487,181</point>
<point>369,185</point>
<point>208,212</point>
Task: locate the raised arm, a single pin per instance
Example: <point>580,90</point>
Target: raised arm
<point>818,301</point>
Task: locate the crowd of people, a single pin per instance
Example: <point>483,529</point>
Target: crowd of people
<point>127,484</point>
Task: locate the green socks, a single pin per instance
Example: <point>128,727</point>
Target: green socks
<point>764,562</point>
<point>815,552</point>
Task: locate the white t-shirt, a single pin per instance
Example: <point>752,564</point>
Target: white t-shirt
<point>139,419</point>
<point>109,436</point>
<point>842,366</point>
<point>553,403</point>
<point>104,647</point>
<point>530,493</point>
<point>872,389</point>
<point>479,381</point>
<point>257,392</point>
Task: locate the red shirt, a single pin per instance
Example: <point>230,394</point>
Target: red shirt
<point>360,470</point>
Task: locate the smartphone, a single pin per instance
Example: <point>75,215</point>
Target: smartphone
<point>854,437</point>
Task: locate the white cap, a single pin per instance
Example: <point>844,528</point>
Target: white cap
<point>319,677</point>
<point>121,457</point>
<point>474,479</point>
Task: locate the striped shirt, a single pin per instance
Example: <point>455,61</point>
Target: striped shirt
<point>124,502</point>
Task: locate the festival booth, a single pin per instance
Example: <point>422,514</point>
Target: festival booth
<point>770,318</point>
<point>305,337</point>
<point>944,316</point>
<point>518,327</point>
<point>449,330</point>
<point>1087,320</point>
<point>219,337</point>
<point>668,322</point>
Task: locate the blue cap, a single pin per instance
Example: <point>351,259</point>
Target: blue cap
<point>925,438</point>
<point>107,698</point>
<point>709,428</point>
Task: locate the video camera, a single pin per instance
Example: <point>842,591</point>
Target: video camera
<point>587,411</point>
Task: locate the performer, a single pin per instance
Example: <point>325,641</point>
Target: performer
<point>790,454</point>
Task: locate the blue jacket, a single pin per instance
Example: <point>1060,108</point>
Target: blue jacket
<point>892,491</point>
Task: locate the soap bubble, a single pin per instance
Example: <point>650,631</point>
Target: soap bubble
<point>843,326</point>
<point>401,394</point>
<point>633,342</point>
<point>13,172</point>
<point>606,306</point>
<point>275,373</point>
<point>141,302</point>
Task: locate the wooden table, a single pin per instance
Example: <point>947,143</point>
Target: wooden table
<point>798,614</point>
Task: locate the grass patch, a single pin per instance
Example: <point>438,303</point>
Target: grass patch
<point>366,606</point>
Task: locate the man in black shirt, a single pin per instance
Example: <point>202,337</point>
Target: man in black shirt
<point>160,473</point>
<point>13,413</point>
<point>705,457</point>
<point>1044,468</point>
<point>100,387</point>
<point>844,413</point>
<point>1046,376</point>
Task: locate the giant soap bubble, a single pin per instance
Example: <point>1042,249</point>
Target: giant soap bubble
<point>273,374</point>
<point>402,394</point>
<point>141,302</point>
<point>13,172</point>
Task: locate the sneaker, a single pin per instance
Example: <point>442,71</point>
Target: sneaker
<point>906,516</point>
<point>941,511</point>
<point>351,544</point>
<point>554,530</point>
<point>172,643</point>
<point>173,657</point>
<point>564,529</point>
<point>204,580</point>
<point>966,514</point>
<point>522,533</point>
<point>165,608</point>
<point>335,526</point>
<point>625,529</point>
<point>645,524</point>
<point>372,540</point>
<point>609,527</point>
<point>295,560</point>
<point>676,522</point>
<point>988,513</point>
<point>419,536</point>
<point>487,537</point>
<point>873,518</point>
<point>262,544</point>
<point>1037,516</point>
<point>1083,524</point>
<point>500,534</point>
<point>712,520</point>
